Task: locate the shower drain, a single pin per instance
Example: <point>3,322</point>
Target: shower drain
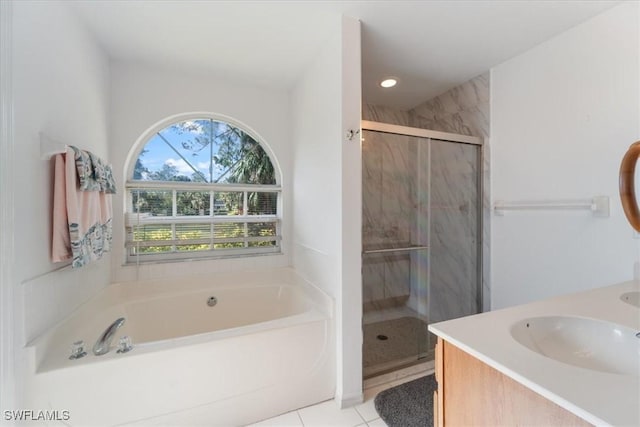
<point>382,337</point>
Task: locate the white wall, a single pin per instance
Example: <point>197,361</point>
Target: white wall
<point>563,115</point>
<point>316,169</point>
<point>60,88</point>
<point>317,177</point>
<point>7,288</point>
<point>349,346</point>
<point>326,192</point>
<point>143,95</point>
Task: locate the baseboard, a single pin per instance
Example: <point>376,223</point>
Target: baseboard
<point>349,400</point>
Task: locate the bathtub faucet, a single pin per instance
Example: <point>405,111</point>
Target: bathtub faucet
<point>104,342</point>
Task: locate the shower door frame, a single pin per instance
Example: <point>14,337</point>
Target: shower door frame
<point>453,138</point>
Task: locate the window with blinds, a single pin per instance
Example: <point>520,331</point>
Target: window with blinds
<point>202,188</point>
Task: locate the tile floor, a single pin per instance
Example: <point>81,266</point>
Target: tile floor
<point>327,414</point>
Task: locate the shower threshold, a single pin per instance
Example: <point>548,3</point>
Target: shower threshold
<point>399,375</point>
<point>397,365</point>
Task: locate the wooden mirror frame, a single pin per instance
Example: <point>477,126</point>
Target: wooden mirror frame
<point>627,185</point>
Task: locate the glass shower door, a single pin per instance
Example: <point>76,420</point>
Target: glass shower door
<point>395,250</point>
<point>455,226</point>
<point>421,258</point>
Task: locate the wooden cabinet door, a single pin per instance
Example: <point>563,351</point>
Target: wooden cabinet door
<point>474,394</point>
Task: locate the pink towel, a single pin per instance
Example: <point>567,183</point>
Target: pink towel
<point>82,228</point>
<point>61,248</point>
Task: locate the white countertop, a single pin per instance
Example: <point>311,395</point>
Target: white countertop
<point>598,397</point>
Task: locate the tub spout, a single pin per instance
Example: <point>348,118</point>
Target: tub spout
<point>104,342</point>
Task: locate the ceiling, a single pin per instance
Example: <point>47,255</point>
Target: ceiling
<point>431,46</point>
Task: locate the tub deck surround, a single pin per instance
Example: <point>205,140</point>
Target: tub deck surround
<point>265,348</point>
<point>599,398</point>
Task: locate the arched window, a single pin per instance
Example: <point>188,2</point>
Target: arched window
<point>201,188</point>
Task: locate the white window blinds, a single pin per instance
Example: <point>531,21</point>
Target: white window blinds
<point>172,220</point>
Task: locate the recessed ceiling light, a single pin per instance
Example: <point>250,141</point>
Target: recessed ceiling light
<point>389,82</point>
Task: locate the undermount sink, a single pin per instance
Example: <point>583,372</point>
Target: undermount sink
<point>586,343</point>
<point>632,298</point>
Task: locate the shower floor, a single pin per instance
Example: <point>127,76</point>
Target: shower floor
<point>394,343</point>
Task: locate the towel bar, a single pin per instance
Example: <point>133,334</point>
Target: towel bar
<point>598,205</point>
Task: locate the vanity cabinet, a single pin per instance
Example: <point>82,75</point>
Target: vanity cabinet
<point>471,392</point>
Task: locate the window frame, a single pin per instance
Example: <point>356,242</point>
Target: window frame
<point>133,219</point>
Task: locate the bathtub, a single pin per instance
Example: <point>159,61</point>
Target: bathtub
<point>266,347</point>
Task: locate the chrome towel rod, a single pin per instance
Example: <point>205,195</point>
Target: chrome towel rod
<point>407,249</point>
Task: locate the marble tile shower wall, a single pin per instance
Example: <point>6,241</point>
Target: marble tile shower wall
<point>463,110</point>
<point>453,262</point>
<point>382,114</point>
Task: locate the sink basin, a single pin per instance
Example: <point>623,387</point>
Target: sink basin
<point>582,342</point>
<point>632,298</point>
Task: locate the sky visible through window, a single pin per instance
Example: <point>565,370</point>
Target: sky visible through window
<point>186,149</point>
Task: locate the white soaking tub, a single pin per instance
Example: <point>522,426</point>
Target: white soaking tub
<point>264,348</point>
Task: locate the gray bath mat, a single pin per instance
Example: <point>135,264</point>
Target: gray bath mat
<point>409,404</point>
